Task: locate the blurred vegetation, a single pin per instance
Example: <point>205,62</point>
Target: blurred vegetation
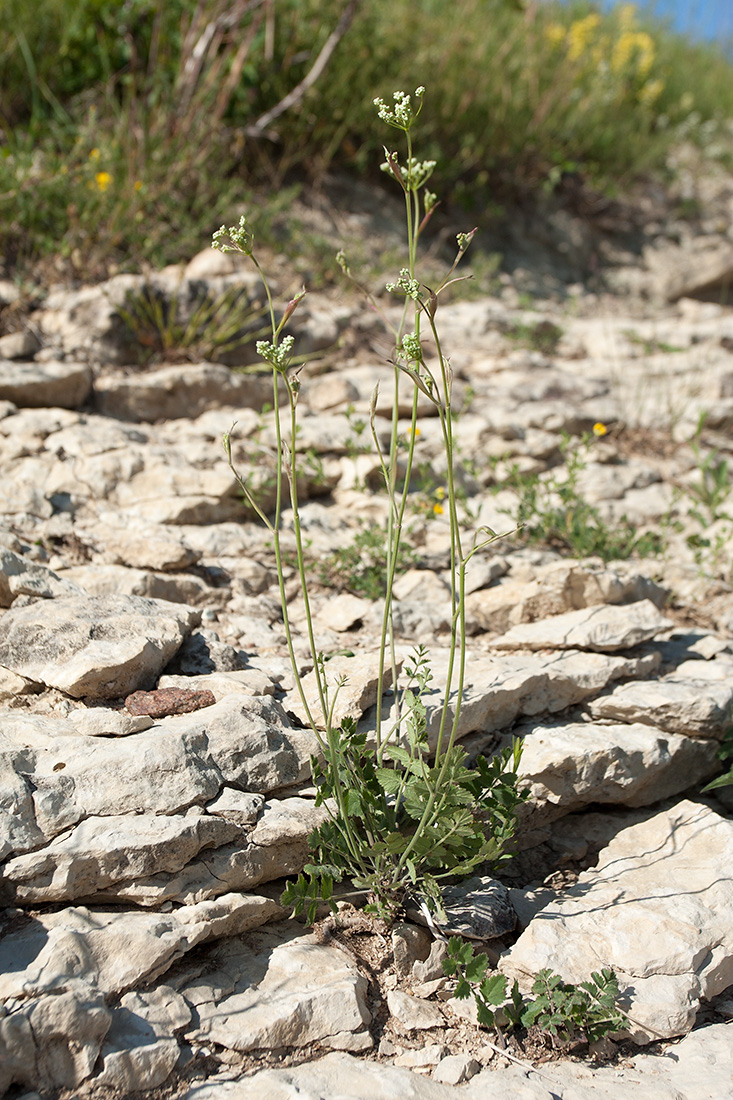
<point>128,130</point>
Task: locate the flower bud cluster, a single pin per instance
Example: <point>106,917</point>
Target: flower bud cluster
<point>240,238</point>
<point>415,174</point>
<point>277,355</point>
<point>410,287</point>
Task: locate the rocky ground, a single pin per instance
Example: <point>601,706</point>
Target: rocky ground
<point>145,837</point>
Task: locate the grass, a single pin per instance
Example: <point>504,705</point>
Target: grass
<point>125,125</point>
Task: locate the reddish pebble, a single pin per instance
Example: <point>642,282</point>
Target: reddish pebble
<point>166,701</point>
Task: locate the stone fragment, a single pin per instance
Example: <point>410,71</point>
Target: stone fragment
<point>167,701</point>
<point>695,707</point>
<point>360,675</point>
<point>18,345</point>
<point>412,1013</point>
<point>160,551</point>
<point>203,652</point>
<point>102,851</point>
<point>568,765</point>
<point>428,1055</point>
<point>119,948</point>
<point>348,1078</point>
<point>21,577</point>
<point>431,968</point>
<point>241,807</point>
<point>277,846</point>
<point>140,1050</point>
<point>103,722</point>
<point>64,385</point>
<point>344,612</point>
<point>98,647</point>
<point>603,629</point>
<point>105,580</point>
<point>245,681</point>
<point>410,944</point>
<point>655,909</point>
<point>480,908</point>
<point>184,390</point>
<point>281,989</point>
<point>68,1029</point>
<point>455,1069</point>
<point>555,589</point>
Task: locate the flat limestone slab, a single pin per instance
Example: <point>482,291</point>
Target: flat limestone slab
<point>100,647</point>
<point>601,628</point>
<point>658,909</point>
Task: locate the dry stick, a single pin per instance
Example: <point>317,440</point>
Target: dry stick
<point>259,126</point>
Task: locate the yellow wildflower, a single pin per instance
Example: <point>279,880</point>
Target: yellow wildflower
<point>633,45</point>
<point>580,33</point>
<point>94,155</point>
<point>554,34</point>
<point>138,185</point>
<point>103,180</point>
<point>438,509</point>
<point>599,429</point>
<point>439,493</point>
<point>627,17</point>
<point>651,91</point>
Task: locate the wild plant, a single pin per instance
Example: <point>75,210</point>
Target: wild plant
<point>552,509</point>
<point>405,812</point>
<point>558,1008</point>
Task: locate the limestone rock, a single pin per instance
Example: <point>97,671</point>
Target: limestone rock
<point>119,948</point>
<point>64,385</point>
<point>99,647</point>
<point>21,577</point>
<point>140,1049</point>
<point>603,629</point>
<point>571,764</point>
<point>185,390</point>
<point>100,851</point>
<point>412,1013</point>
<point>556,589</point>
<point>695,707</point>
<point>277,846</point>
<point>359,690</point>
<point>282,990</point>
<point>479,907</point>
<point>656,910</point>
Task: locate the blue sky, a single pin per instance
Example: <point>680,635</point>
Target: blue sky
<point>711,19</point>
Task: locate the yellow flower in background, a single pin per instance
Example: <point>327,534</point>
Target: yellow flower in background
<point>103,180</point>
<point>138,185</point>
<point>438,509</point>
<point>636,45</point>
<point>94,155</point>
<point>555,34</point>
<point>599,429</point>
<point>651,91</point>
<point>627,17</point>
<point>580,34</point>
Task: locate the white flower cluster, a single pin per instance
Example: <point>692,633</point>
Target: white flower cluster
<point>237,238</point>
<point>401,115</point>
<point>410,287</point>
<point>412,347</point>
<point>415,174</point>
<point>277,355</point>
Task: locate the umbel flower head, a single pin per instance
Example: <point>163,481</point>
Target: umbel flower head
<point>277,355</point>
<point>401,116</point>
<point>237,238</point>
